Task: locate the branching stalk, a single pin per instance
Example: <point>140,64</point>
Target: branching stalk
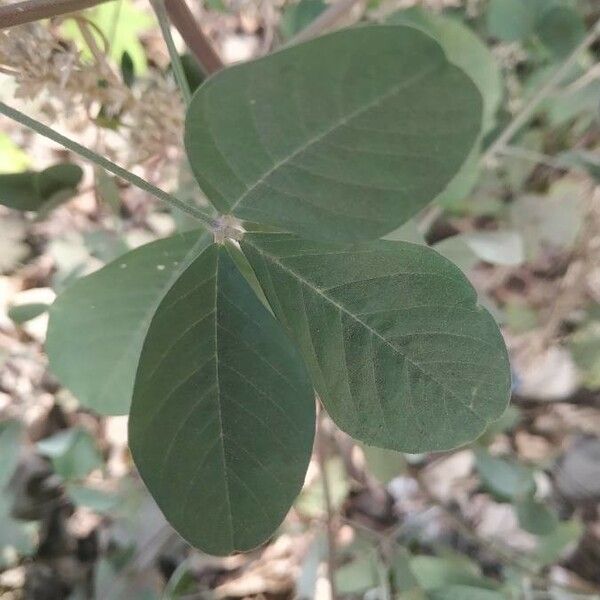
<point>165,27</point>
<point>554,162</point>
<point>331,552</point>
<point>523,117</point>
<point>28,11</point>
<point>105,163</point>
<point>200,46</point>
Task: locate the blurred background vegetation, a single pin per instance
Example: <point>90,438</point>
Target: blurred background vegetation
<point>514,515</point>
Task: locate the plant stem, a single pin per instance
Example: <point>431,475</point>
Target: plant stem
<point>165,27</point>
<point>553,162</point>
<point>529,109</point>
<point>27,11</point>
<point>99,56</point>
<point>320,452</point>
<point>105,163</point>
<point>114,23</point>
<point>185,22</point>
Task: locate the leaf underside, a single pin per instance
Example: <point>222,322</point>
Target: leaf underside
<point>342,138</point>
<point>97,326</point>
<point>397,347</point>
<point>223,414</point>
<point>31,190</point>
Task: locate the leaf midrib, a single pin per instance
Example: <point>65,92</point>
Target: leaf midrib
<point>337,124</point>
<point>221,428</point>
<point>358,320</point>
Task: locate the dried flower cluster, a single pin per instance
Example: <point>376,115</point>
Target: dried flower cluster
<point>52,71</point>
<point>509,56</point>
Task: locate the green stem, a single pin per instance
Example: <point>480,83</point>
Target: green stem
<point>330,513</point>
<point>527,112</point>
<point>27,11</point>
<point>165,27</point>
<point>103,162</point>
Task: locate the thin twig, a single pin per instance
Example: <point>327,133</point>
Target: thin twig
<point>320,452</point>
<point>165,27</point>
<point>324,21</point>
<point>185,22</point>
<point>28,11</point>
<point>553,162</point>
<point>529,109</point>
<point>99,56</point>
<point>507,555</point>
<point>105,163</point>
<point>114,23</point>
<point>573,284</point>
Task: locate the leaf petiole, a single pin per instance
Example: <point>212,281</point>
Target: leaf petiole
<point>105,163</point>
<point>178,72</point>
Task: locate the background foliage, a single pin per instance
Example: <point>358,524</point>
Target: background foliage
<point>513,515</point>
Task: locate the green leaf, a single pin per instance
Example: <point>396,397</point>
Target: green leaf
<point>97,326</point>
<point>585,349</point>
<point>505,480</point>
<point>121,23</point>
<point>402,578</point>
<point>507,421</point>
<point>579,102</point>
<point>107,189</point>
<point>590,161</point>
<point>312,503</point>
<point>73,452</point>
<point>58,178</point>
<point>397,347</point>
<point>409,232</point>
<point>57,445</point>
<point>344,137</point>
<point>217,5</point>
<point>502,247</point>
<point>105,245</point>
<point>222,419</point>
<point>551,221</point>
<point>561,28</point>
<point>520,317</point>
<point>13,534</point>
<point>298,16</point>
<point>193,73</point>
<point>11,439</point>
<point>458,190</point>
<point>463,48</point>
<point>21,313</point>
<point>465,592</point>
<point>535,517</point>
<point>32,190</point>
<point>456,249</point>
<point>306,581</point>
<point>384,464</point>
<point>551,547</point>
<point>357,576</point>
<point>97,500</point>
<point>127,69</point>
<point>439,572</point>
<point>511,20</point>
